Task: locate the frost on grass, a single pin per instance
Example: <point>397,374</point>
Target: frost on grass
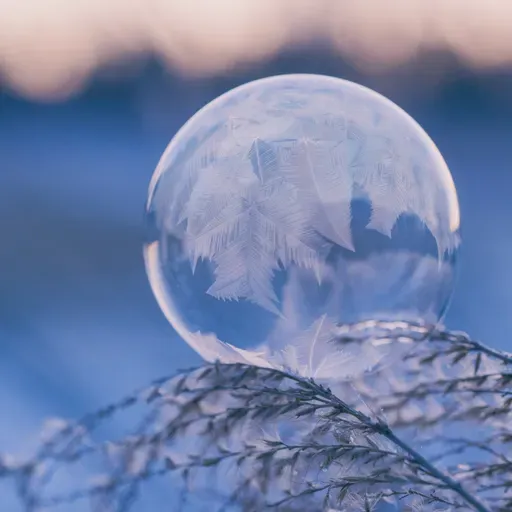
<point>433,433</point>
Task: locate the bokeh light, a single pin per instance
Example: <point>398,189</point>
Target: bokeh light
<point>50,48</point>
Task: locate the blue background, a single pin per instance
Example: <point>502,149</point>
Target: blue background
<point>78,323</point>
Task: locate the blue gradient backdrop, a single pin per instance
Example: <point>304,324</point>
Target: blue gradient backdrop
<point>78,324</point>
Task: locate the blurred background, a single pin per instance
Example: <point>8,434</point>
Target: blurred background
<point>91,92</point>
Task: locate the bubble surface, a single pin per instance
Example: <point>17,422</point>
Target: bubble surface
<point>290,207</point>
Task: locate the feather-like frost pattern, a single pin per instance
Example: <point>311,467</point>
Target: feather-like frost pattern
<point>273,185</point>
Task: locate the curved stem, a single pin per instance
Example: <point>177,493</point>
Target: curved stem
<point>434,471</point>
<point>505,357</point>
<point>382,428</point>
<point>477,346</point>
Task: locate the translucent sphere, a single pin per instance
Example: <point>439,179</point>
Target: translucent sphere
<point>290,207</point>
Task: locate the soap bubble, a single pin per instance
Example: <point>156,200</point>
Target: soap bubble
<point>291,207</point>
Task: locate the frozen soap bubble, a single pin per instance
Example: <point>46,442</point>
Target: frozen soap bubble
<point>293,206</point>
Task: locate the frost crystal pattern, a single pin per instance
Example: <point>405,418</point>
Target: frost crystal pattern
<point>291,206</point>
